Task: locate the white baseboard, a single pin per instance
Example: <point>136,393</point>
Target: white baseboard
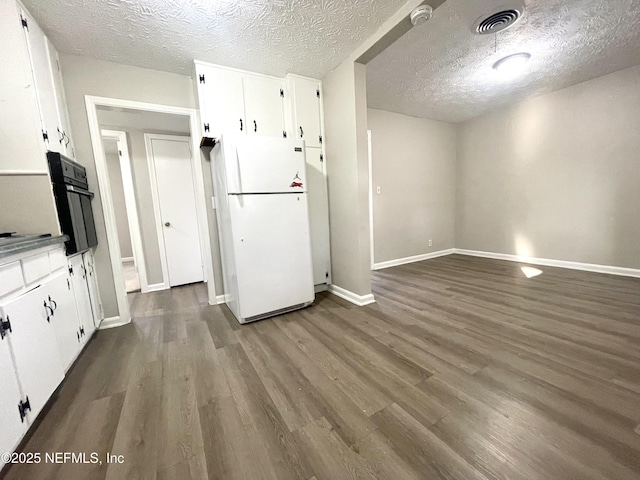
<point>157,287</point>
<point>587,267</point>
<point>219,300</point>
<point>415,258</point>
<point>360,300</point>
<point>127,259</point>
<point>112,322</point>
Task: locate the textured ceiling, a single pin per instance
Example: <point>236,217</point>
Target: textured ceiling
<point>307,37</point>
<point>441,70</point>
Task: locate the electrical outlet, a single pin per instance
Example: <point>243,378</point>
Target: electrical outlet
<point>430,243</point>
<point>378,191</point>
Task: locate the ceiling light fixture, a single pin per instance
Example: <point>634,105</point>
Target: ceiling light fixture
<point>512,64</point>
<point>420,14</point>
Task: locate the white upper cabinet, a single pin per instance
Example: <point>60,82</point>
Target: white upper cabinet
<point>306,113</point>
<point>221,100</point>
<point>45,91</point>
<point>63,130</point>
<point>239,102</point>
<point>264,106</point>
<point>47,78</point>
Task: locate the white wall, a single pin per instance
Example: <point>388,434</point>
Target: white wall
<point>414,164</point>
<point>345,110</point>
<point>556,176</point>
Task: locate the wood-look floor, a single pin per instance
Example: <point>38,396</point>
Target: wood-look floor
<point>463,369</point>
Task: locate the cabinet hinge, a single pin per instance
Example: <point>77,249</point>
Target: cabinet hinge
<point>202,78</point>
<point>70,269</point>
<point>282,93</point>
<point>45,136</point>
<point>206,127</point>
<point>320,138</point>
<point>4,326</point>
<point>120,152</point>
<point>24,22</point>
<point>284,134</point>
<point>23,407</point>
<point>318,92</point>
<point>326,275</point>
<point>82,331</point>
<point>321,157</point>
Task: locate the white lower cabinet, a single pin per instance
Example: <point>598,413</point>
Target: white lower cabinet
<point>13,426</point>
<point>92,283</point>
<point>65,318</point>
<point>78,273</point>
<point>34,346</point>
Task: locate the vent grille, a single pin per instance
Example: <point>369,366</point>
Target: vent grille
<point>497,21</point>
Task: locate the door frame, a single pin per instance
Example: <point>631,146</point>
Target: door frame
<point>155,196</point>
<point>130,204</point>
<point>92,103</point>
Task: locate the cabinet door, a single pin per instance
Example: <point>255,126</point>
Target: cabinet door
<point>13,428</point>
<point>318,215</point>
<point>306,104</point>
<point>34,347</point>
<point>66,144</point>
<point>65,318</point>
<point>43,79</point>
<point>264,106</point>
<point>92,283</point>
<point>81,293</point>
<point>222,100</point>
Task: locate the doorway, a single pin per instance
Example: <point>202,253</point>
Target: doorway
<point>136,119</point>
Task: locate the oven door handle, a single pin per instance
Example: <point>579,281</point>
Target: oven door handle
<point>71,188</point>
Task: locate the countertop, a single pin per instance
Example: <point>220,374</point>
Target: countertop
<point>20,245</point>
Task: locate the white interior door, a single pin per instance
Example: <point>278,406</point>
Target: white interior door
<point>170,162</point>
<point>264,106</point>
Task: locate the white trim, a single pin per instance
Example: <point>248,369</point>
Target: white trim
<point>128,259</point>
<point>91,103</point>
<point>104,188</point>
<point>370,163</point>
<point>415,258</point>
<point>156,287</point>
<point>112,322</point>
<point>359,300</point>
<point>133,219</point>
<point>587,267</point>
<point>220,299</point>
<point>10,173</point>
<point>322,287</point>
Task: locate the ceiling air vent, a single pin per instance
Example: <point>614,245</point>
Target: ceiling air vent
<point>498,21</point>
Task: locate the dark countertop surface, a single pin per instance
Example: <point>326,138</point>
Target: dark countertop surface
<point>22,243</point>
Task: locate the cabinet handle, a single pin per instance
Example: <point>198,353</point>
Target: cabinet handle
<point>255,126</point>
<point>61,133</point>
<point>66,144</point>
<point>49,315</point>
<point>241,126</point>
<point>55,304</point>
<point>301,132</point>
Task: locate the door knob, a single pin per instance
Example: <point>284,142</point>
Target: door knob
<point>167,224</point>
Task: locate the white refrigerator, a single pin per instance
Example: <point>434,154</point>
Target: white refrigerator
<point>263,224</point>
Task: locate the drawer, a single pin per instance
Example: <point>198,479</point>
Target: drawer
<point>10,278</point>
<point>57,259</point>
<point>35,267</point>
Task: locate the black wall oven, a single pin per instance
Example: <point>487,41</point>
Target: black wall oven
<point>73,201</point>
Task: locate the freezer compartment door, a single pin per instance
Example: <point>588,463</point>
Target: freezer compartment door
<point>265,165</point>
<point>272,252</point>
